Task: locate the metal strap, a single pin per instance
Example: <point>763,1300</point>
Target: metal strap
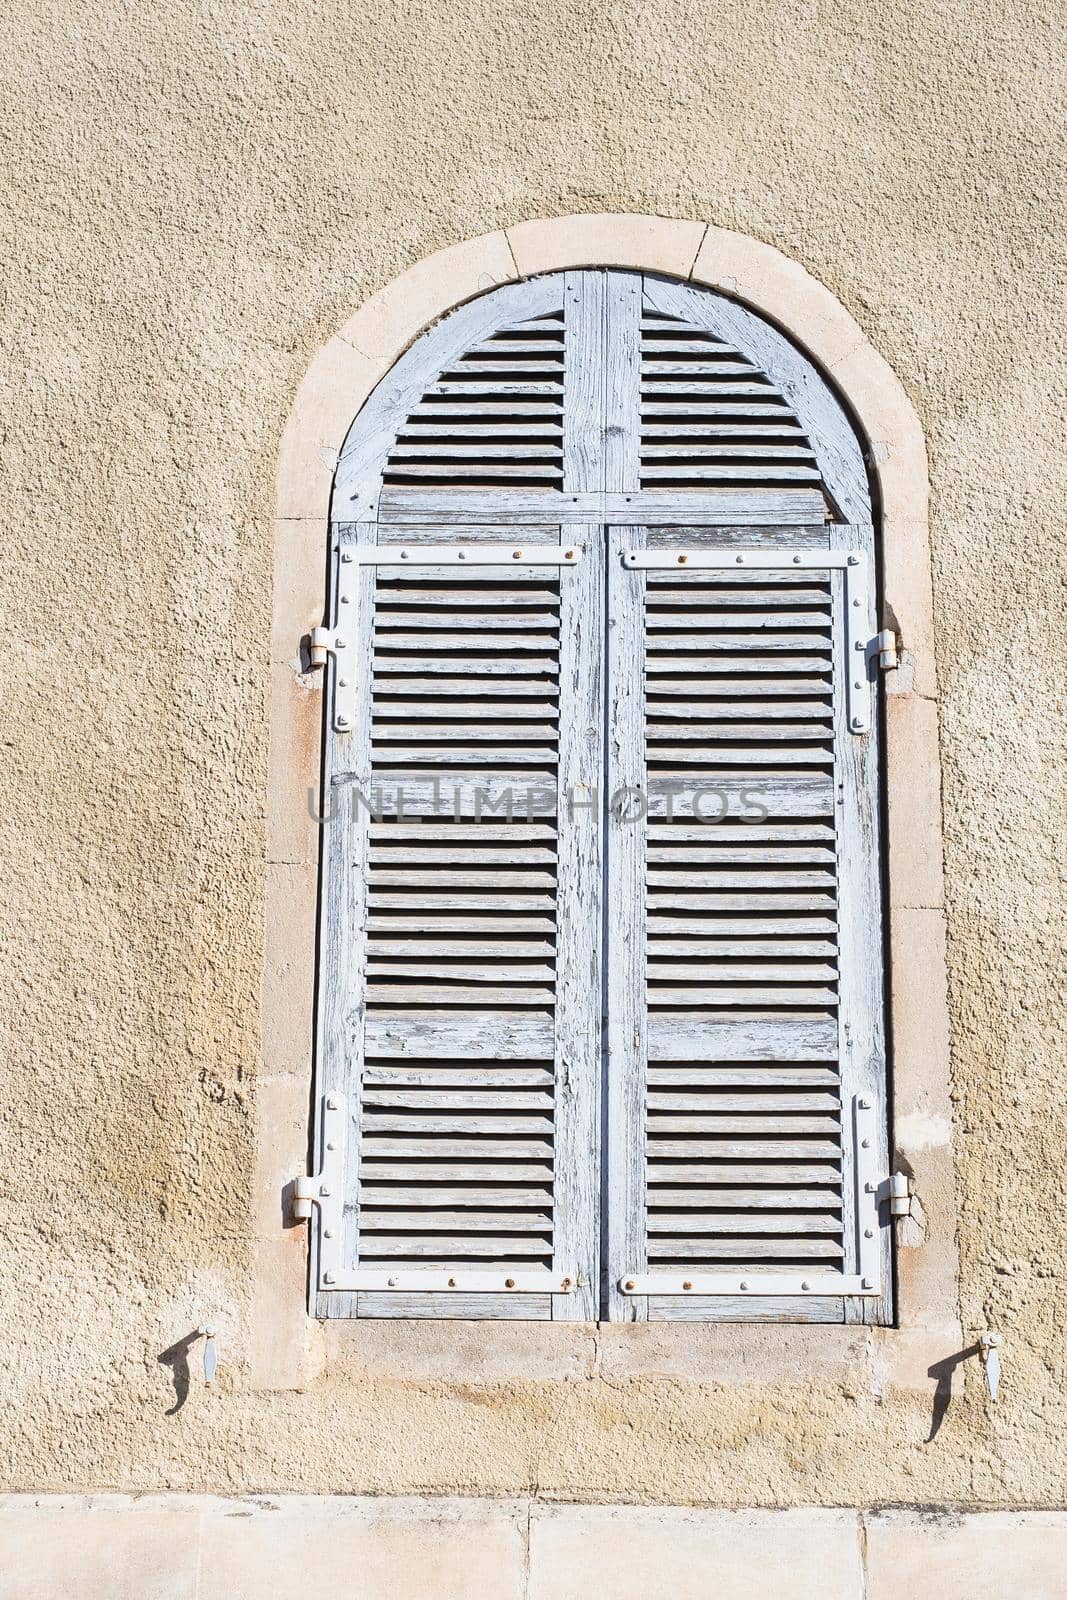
<point>337,641</point>
<point>867,1281</point>
<point>863,647</point>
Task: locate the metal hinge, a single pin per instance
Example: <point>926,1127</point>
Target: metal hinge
<point>899,1194</point>
<point>325,642</point>
<point>305,1194</point>
<point>884,646</point>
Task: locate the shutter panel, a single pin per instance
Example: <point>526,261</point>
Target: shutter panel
<point>743,1187</point>
<point>462,910</point>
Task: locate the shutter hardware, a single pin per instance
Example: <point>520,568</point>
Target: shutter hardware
<point>866,1281</point>
<point>882,647</point>
<point>326,1189</point>
<point>324,642</point>
<point>899,1195</point>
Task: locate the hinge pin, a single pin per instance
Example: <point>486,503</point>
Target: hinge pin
<point>899,1195</point>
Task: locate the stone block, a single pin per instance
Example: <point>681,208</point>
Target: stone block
<point>99,1548</point>
<point>337,1548</point>
<point>986,1556</point>
<point>633,1552</point>
<point>914,791</point>
<point>650,244</point>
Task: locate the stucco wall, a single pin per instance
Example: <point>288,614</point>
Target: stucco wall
<point>197,197</point>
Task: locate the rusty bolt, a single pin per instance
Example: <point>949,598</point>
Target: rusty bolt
<point>451,1283</point>
<point>682,560</point>
<point>687,1285</point>
<point>516,555</point>
<point>628,1284</point>
<point>565,1285</point>
<point>570,555</point>
<point>509,1283</point>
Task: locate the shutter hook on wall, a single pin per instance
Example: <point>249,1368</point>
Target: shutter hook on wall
<point>206,1331</point>
<point>989,1347</point>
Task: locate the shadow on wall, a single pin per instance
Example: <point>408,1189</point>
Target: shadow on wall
<point>942,1371</point>
<point>177,1359</point>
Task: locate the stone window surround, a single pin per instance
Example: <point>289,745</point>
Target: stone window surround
<point>287,1349</point>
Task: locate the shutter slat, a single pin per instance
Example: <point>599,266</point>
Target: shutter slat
<point>416,1097</point>
<point>443,1250</point>
<point>681,1224</point>
<point>696,875</point>
<point>708,970</point>
<point>440,640</point>
<point>779,1201</point>
<point>441,853</point>
<point>706,472</point>
<point>488,1151</point>
<point>723,855</point>
<point>460,876</point>
<point>443,924</point>
<point>766,1250</point>
<point>490,972</point>
<point>765,1076</point>
<point>414,667</point>
<point>458,948</point>
<point>457,1076</point>
<point>429,1222</point>
<point>441,1198</point>
<point>420,1180</point>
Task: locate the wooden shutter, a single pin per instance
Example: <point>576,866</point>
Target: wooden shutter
<point>461,995</point>
<point>611,967</point>
<point>745,1175</point>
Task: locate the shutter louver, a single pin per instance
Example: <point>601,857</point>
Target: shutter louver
<point>710,417</point>
<point>492,420</point>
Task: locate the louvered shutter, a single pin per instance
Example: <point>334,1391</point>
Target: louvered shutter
<point>461,1032</point>
<point>601,886</point>
<point>745,1180</point>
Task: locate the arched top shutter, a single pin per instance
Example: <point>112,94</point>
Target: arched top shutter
<point>600,1022</point>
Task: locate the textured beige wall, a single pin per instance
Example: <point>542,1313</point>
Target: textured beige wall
<point>196,197</point>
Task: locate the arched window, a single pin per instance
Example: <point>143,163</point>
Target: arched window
<point>601,981</point>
